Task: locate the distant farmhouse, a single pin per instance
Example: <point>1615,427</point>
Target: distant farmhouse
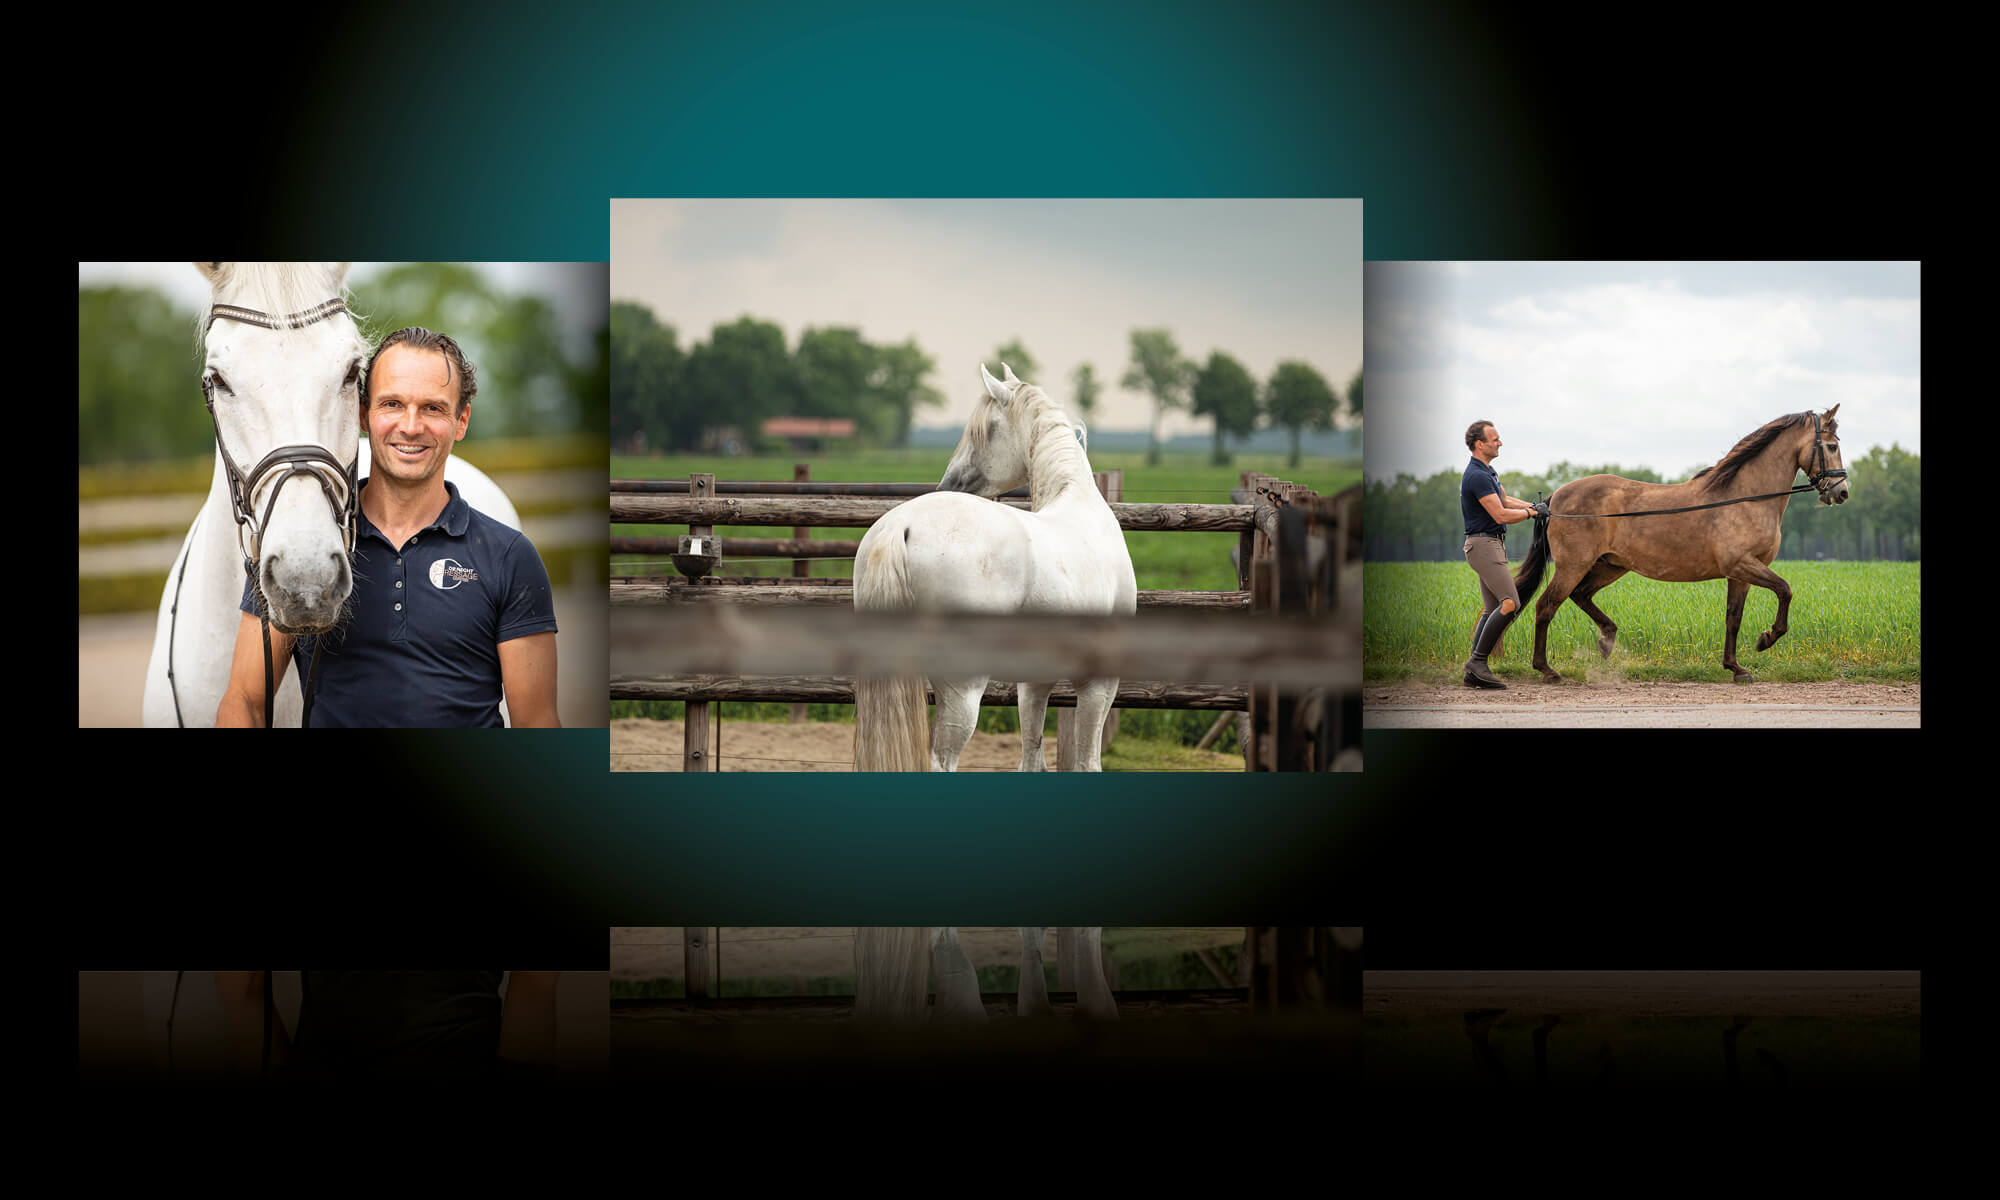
<point>808,434</point>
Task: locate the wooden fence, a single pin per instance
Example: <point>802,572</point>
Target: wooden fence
<point>1288,626</point>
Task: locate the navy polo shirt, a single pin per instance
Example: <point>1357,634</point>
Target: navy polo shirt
<point>419,647</point>
<point>1480,479</point>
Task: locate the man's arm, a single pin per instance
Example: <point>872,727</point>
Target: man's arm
<point>528,1018</point>
<point>1506,511</point>
<point>528,677</point>
<point>242,705</point>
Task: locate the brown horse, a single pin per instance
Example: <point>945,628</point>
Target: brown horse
<point>1594,534</point>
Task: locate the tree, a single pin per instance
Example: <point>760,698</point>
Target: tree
<point>645,370</point>
<point>1015,355</point>
<point>1158,369</point>
<point>1299,396</point>
<point>899,389</point>
<point>834,367</point>
<point>1354,396</point>
<point>138,382</point>
<point>1087,390</point>
<point>1226,391</point>
<point>739,377</point>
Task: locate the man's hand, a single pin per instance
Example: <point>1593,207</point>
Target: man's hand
<point>1541,508</point>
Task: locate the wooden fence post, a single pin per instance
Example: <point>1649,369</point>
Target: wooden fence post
<point>699,717</point>
<point>701,950</point>
<point>801,567</point>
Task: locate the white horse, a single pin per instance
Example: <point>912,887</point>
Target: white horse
<point>952,551</point>
<point>294,386</point>
<point>893,966</point>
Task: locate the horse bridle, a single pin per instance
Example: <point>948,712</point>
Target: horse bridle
<point>289,462</point>
<point>1819,473</point>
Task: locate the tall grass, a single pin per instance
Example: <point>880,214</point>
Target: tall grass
<point>1849,620</point>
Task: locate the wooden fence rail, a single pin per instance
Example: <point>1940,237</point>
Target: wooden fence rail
<point>834,689</point>
<point>649,593</point>
<point>835,512</point>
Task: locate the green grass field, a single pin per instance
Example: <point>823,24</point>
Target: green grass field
<point>1162,561</point>
<point>1849,620</point>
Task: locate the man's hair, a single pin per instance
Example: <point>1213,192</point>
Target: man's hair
<point>1475,433</point>
<point>418,338</point>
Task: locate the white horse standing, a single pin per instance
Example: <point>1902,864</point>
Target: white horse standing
<point>271,387</point>
<point>893,968</point>
<point>952,551</point>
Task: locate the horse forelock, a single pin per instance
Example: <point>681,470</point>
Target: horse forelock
<point>1749,448</point>
<point>276,288</point>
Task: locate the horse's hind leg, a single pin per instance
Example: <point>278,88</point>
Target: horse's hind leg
<point>1600,577</point>
<point>1732,619</point>
<point>1094,698</point>
<point>1033,999</point>
<point>956,980</point>
<point>1093,992</point>
<point>1562,581</point>
<point>1033,699</point>
<point>957,716</point>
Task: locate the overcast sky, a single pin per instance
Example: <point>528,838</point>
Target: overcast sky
<point>1661,365</point>
<point>574,294</point>
<point>1263,280</point>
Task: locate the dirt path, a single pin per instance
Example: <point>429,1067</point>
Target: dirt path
<point>1646,993</point>
<point>642,745</point>
<point>1646,705</point>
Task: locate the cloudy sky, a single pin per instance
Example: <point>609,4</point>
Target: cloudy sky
<point>1662,365</point>
<point>1263,280</point>
<point>581,312</point>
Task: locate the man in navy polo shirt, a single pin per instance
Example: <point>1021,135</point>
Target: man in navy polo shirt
<point>1487,507</point>
<point>450,608</point>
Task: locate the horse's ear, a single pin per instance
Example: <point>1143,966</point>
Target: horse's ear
<point>1828,415</point>
<point>211,271</point>
<point>340,274</point>
<point>994,388</point>
<point>1007,374</point>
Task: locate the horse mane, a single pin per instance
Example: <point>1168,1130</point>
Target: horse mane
<point>1747,450</point>
<point>1055,460</point>
<point>277,288</point>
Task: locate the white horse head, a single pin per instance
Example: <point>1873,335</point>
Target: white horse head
<point>288,387</point>
<point>994,454</point>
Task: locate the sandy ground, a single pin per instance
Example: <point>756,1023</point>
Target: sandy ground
<point>112,651</point>
<point>1646,705</point>
<point>1646,993</point>
<point>641,745</point>
<point>806,952</point>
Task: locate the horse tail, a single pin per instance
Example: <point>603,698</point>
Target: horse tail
<point>891,716</point>
<point>892,972</point>
<point>1529,577</point>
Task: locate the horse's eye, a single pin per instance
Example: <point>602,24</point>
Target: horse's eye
<point>217,383</point>
<point>353,375</point>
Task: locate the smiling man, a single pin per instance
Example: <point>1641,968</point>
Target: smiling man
<point>451,609</point>
<point>1487,509</point>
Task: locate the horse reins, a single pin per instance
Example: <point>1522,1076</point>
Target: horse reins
<point>290,462</point>
<point>1815,481</point>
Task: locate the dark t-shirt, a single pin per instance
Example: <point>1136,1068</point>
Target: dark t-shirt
<point>1479,480</point>
<point>420,647</point>
<point>398,1024</point>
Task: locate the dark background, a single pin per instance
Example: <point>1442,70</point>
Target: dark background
<point>1471,131</point>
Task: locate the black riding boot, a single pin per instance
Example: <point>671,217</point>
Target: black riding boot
<point>1484,639</point>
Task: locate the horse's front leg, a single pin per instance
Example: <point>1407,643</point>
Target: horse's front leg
<point>1033,699</point>
<point>1732,620</point>
<point>957,717</point>
<point>1763,576</point>
<point>1033,1000</point>
<point>1094,698</point>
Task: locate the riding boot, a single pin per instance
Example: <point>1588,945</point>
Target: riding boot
<point>1476,672</point>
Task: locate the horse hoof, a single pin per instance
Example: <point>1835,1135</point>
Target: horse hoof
<point>1604,645</point>
<point>1551,677</point>
<point>1765,639</point>
<point>1745,677</point>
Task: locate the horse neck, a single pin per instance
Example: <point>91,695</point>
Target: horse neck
<point>1055,461</point>
<point>1773,470</point>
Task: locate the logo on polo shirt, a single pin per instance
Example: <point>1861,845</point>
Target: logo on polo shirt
<point>447,574</point>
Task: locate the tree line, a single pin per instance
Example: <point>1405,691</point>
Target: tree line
<point>665,398</point>
<point>138,377</point>
<point>1409,519</point>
